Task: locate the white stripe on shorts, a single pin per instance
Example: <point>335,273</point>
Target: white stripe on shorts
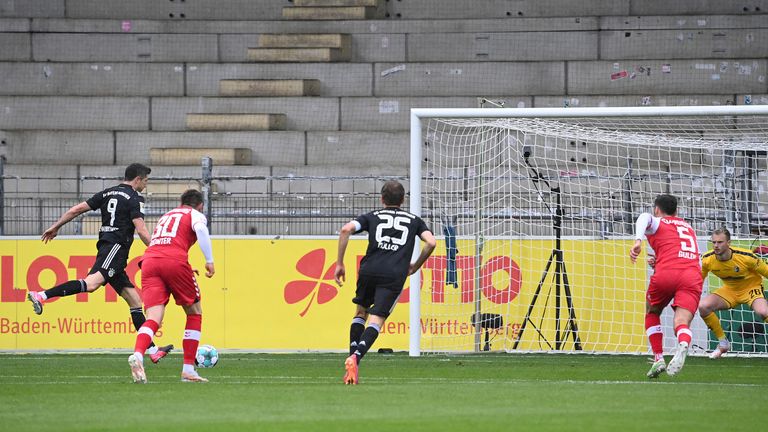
<point>111,255</point>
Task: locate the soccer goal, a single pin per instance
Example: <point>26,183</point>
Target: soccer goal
<point>534,210</point>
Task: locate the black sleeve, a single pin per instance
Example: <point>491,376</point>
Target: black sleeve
<point>363,221</point>
<point>421,226</point>
<point>95,201</point>
<point>137,207</point>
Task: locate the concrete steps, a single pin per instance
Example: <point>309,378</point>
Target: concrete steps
<point>269,87</point>
<point>192,156</point>
<point>292,48</point>
<point>235,122</point>
<point>325,13</point>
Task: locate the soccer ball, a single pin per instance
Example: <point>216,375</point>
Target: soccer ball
<point>207,356</point>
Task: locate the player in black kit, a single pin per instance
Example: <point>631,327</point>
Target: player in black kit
<point>122,214</point>
<point>392,236</point>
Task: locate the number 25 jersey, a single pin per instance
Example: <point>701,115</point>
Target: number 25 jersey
<point>175,234</point>
<point>392,235</point>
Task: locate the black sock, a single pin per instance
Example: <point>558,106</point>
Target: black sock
<point>366,341</point>
<point>67,289</point>
<point>355,332</point>
<point>137,316</point>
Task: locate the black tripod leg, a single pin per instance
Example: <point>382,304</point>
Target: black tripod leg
<point>533,302</point>
<point>571,311</point>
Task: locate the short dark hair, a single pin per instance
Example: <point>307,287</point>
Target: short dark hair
<point>393,193</point>
<point>724,231</point>
<point>666,203</point>
<point>191,197</point>
<point>136,170</point>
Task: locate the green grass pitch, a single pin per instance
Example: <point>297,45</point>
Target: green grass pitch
<point>303,392</point>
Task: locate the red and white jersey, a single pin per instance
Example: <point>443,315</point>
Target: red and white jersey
<point>175,234</point>
<point>673,240</point>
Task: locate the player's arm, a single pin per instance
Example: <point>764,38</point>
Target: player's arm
<point>704,269</point>
<point>429,245</point>
<point>204,240</point>
<point>347,230</point>
<point>761,267</point>
<point>141,230</point>
<point>70,214</point>
<point>645,224</point>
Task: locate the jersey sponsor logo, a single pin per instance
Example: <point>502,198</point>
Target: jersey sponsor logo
<point>116,192</point>
<point>108,228</point>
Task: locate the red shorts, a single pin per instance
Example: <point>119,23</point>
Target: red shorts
<point>161,277</point>
<point>684,286</point>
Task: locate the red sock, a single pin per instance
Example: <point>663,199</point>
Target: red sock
<point>655,337</point>
<point>192,337</point>
<point>144,337</point>
<point>683,334</point>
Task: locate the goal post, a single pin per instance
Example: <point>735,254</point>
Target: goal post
<point>534,212</point>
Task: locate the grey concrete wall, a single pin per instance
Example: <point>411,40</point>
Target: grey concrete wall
<point>696,7</point>
<point>92,79</point>
<point>336,79</point>
<point>189,10</point>
<point>160,25</point>
<point>365,47</point>
<point>681,22</point>
<point>308,113</point>
<point>393,113</point>
<point>519,46</point>
<point>268,148</point>
<point>124,47</point>
<point>58,147</point>
<point>459,9</point>
<point>468,79</point>
<point>32,8</point>
<point>15,46</point>
<point>624,101</point>
<point>15,25</point>
<point>74,113</point>
<point>703,76</point>
<point>684,44</point>
<point>358,148</point>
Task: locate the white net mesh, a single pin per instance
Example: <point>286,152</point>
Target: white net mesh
<point>503,190</point>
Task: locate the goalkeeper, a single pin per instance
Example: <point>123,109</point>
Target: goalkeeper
<point>742,273</point>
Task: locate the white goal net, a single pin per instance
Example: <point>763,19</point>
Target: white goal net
<point>534,210</point>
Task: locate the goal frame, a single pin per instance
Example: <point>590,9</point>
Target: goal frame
<point>415,170</point>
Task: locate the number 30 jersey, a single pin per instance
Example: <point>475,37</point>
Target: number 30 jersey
<point>119,206</point>
<point>673,240</point>
<point>392,235</point>
<point>175,234</point>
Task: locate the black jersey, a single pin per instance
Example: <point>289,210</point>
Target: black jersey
<point>119,206</point>
<point>392,235</point>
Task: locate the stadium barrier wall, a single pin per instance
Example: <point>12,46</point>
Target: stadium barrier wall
<point>279,294</point>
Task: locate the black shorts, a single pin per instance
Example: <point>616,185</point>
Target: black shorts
<point>111,261</point>
<point>378,294</point>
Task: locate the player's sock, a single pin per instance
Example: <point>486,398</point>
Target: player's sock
<point>144,338</point>
<point>137,316</point>
<point>713,322</point>
<point>355,332</point>
<point>366,341</point>
<point>684,334</point>
<point>66,289</point>
<point>655,336</point>
<point>192,338</point>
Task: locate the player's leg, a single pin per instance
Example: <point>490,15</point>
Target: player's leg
<point>192,331</point>
<point>707,308</point>
<point>144,340</point>
<point>657,298</point>
<point>760,306</point>
<point>184,288</point>
<point>385,298</point>
<point>125,289</point>
<point>91,283</point>
<point>685,305</point>
<point>357,327</point>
